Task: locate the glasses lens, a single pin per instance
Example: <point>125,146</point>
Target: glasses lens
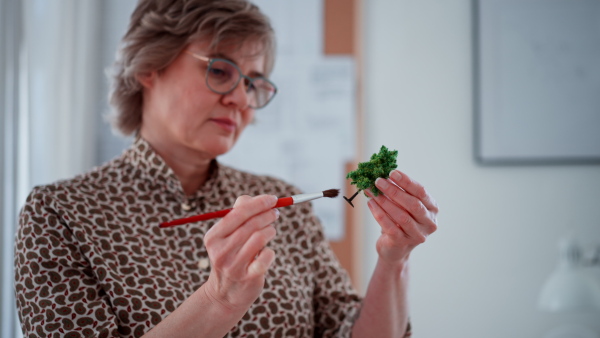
<point>222,76</point>
<point>262,91</point>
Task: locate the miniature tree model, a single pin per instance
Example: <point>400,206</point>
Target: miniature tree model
<point>380,165</point>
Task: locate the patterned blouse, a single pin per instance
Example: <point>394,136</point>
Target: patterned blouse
<point>90,259</point>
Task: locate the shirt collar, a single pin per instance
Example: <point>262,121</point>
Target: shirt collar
<point>148,165</point>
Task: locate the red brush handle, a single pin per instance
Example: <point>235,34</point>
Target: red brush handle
<point>282,202</point>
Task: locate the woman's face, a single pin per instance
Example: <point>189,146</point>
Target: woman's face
<point>182,114</point>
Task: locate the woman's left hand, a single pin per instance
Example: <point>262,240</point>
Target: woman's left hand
<point>406,213</point>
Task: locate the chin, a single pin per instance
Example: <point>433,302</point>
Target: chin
<point>220,149</point>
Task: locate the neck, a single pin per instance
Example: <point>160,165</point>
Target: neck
<point>192,177</point>
<point>191,169</point>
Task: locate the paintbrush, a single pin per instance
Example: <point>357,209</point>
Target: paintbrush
<point>281,202</point>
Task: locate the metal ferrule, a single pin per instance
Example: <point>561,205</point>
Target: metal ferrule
<point>306,197</point>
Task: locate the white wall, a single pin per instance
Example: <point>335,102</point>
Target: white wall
<point>479,275</point>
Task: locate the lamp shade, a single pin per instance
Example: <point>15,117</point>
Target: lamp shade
<point>569,289</point>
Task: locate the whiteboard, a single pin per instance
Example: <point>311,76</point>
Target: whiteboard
<point>537,81</point>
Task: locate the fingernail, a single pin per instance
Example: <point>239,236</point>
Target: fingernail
<point>381,183</point>
<point>277,213</point>
<point>275,198</point>
<point>395,174</point>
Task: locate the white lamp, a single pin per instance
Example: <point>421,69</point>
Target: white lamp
<point>569,289</point>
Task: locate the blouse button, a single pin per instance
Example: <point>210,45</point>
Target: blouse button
<point>186,207</point>
<point>203,263</point>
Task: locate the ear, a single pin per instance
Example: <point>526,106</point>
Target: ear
<point>146,79</point>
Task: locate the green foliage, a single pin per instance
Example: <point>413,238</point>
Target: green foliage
<point>380,165</point>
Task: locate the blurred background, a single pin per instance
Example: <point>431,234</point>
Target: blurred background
<point>417,84</point>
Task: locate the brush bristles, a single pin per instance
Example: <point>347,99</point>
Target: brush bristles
<point>331,193</point>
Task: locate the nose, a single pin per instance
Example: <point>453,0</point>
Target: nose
<point>238,96</point>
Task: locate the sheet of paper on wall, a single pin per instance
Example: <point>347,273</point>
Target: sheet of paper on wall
<point>306,135</point>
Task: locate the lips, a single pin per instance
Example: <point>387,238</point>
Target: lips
<point>225,123</point>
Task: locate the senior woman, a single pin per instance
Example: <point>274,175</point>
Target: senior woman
<point>91,261</point>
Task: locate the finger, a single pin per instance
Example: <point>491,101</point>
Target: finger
<point>253,246</point>
<point>235,241</point>
<point>241,199</point>
<point>390,216</point>
<point>393,195</point>
<point>227,254</point>
<point>260,265</point>
<point>413,188</point>
<point>220,227</point>
<point>243,208</point>
<point>383,219</point>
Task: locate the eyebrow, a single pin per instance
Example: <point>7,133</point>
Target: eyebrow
<point>253,74</point>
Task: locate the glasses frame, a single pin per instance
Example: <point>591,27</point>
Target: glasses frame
<point>251,80</point>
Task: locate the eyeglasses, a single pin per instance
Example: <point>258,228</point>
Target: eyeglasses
<point>223,76</point>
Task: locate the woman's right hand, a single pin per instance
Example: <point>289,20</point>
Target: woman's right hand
<point>239,258</point>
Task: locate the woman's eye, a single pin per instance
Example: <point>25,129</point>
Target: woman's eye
<point>217,72</point>
<point>250,87</point>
